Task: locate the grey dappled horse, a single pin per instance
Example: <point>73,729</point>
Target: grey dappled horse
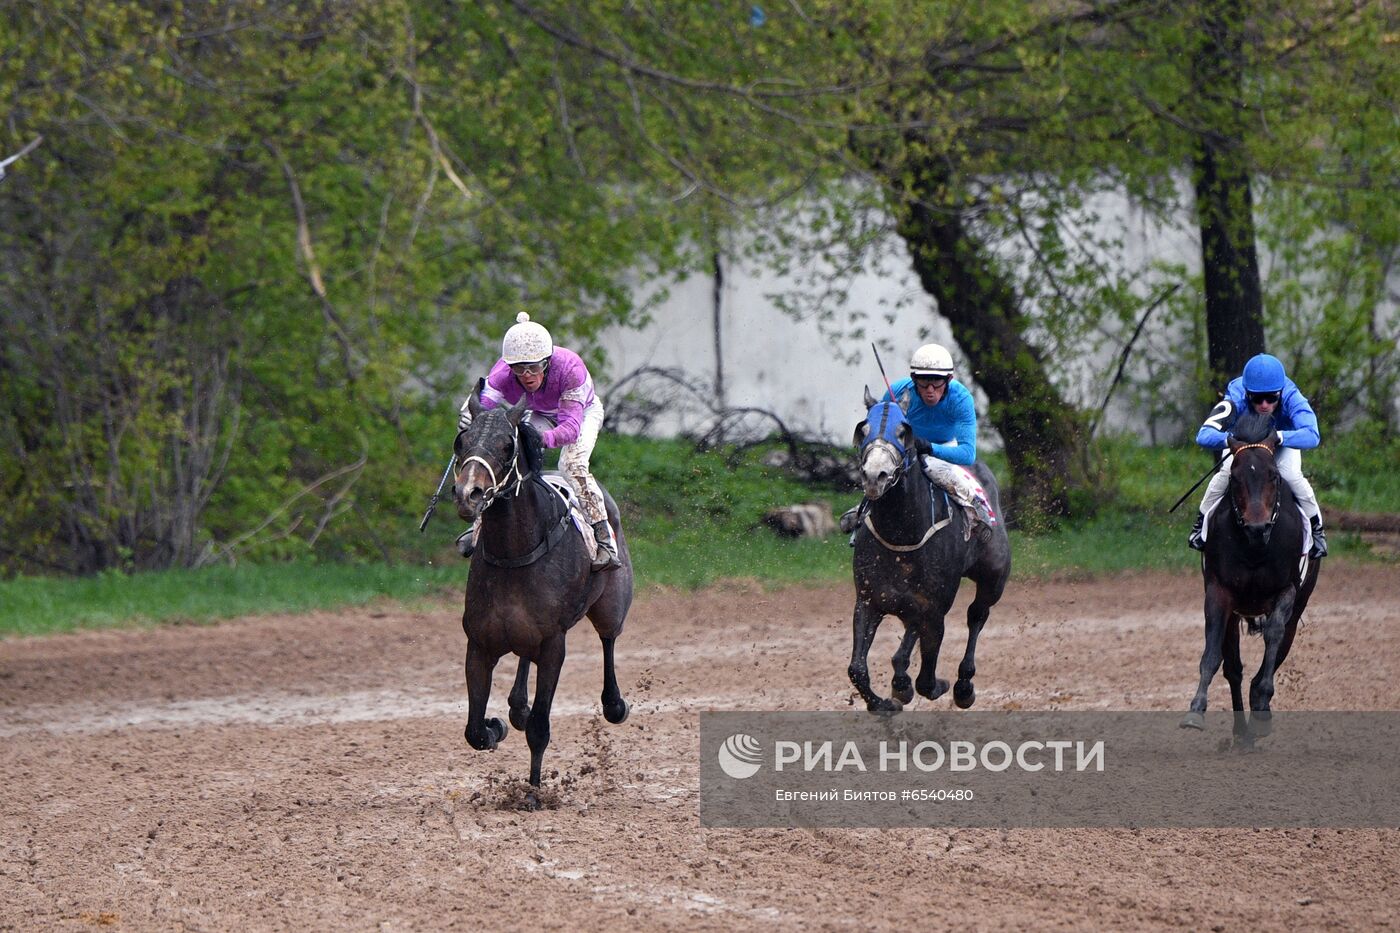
<point>907,566</point>
<point>530,578</point>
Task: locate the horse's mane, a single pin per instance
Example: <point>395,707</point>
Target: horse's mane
<point>532,448</point>
<point>1253,427</point>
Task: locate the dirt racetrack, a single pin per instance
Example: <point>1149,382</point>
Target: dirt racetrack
<point>309,772</point>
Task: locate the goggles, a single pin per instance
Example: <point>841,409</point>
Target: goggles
<point>529,369</point>
<point>1271,397</point>
<point>935,381</point>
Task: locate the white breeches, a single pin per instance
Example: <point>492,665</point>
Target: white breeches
<point>573,462</point>
<point>1290,466</point>
<point>961,486</point>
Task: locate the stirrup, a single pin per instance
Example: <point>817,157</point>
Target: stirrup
<point>607,559</point>
<point>1319,541</point>
<point>1193,540</point>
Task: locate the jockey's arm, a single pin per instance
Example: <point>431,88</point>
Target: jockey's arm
<point>570,422</point>
<point>1304,434</point>
<point>1214,431</point>
<point>962,447</point>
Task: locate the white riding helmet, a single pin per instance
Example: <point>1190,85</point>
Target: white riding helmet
<point>931,360</point>
<point>526,342</point>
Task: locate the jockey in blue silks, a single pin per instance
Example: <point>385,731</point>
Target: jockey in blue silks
<point>941,412</point>
<point>1265,388</point>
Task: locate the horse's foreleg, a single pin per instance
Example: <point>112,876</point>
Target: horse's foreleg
<point>1217,609</point>
<point>864,623</point>
<point>1234,673</point>
<point>482,733</point>
<point>615,708</point>
<point>1261,688</point>
<point>930,641</point>
<point>549,661</point>
<point>519,699</point>
<point>900,685</point>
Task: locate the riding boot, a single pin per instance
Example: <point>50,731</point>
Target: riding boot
<point>850,521</point>
<point>466,542</point>
<point>1319,539</point>
<point>1195,542</point>
<point>607,558</point>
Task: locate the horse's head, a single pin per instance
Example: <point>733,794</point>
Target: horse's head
<point>488,456</point>
<point>886,443</point>
<point>1254,477</point>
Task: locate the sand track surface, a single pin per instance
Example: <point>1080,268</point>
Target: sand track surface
<point>309,772</point>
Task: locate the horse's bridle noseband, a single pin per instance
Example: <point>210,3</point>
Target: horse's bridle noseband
<point>497,487</point>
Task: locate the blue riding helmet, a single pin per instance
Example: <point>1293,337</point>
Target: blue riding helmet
<point>1263,373</point>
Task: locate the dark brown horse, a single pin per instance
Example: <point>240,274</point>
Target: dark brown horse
<point>530,578</point>
<point>1254,570</point>
<point>910,558</point>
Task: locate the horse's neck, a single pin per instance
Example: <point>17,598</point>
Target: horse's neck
<point>515,519</point>
<point>907,503</point>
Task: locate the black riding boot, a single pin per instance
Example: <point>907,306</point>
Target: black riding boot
<point>607,551</point>
<point>1194,541</point>
<point>466,542</point>
<point>1319,542</point>
<point>850,521</point>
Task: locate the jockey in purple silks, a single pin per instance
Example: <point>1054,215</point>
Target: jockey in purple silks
<point>1264,388</point>
<point>563,408</point>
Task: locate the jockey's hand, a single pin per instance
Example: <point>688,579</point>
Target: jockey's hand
<point>525,418</point>
<point>464,418</point>
<point>1278,435</point>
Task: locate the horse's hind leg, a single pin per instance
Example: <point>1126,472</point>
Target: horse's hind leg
<point>1261,688</point>
<point>482,733</point>
<point>519,699</point>
<point>615,708</point>
<point>964,693</point>
<point>901,686</point>
<point>864,623</point>
<point>549,661</point>
<point>930,642</point>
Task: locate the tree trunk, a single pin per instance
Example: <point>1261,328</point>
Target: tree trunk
<point>980,303</point>
<point>1224,200</point>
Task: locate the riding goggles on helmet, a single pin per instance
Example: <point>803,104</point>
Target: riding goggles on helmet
<point>935,381</point>
<point>1271,397</point>
<point>529,369</point>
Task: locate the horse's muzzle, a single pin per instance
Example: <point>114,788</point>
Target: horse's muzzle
<point>469,502</point>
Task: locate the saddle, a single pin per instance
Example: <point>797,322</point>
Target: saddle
<point>560,486</point>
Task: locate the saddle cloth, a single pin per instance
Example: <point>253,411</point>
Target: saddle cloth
<point>561,487</point>
<point>1307,526</point>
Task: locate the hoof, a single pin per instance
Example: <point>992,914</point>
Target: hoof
<point>964,694</point>
<point>493,732</point>
<point>532,801</point>
<point>519,716</point>
<point>940,687</point>
<point>883,706</point>
<point>497,729</point>
<point>1261,723</point>
<point>902,688</point>
<point>1194,720</point>
<point>617,714</point>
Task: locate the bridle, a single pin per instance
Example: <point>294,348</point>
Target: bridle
<point>906,457</point>
<point>498,486</point>
<point>1278,492</point>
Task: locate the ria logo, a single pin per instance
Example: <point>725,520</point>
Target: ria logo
<point>740,755</point>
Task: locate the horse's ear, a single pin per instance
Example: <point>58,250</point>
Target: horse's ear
<point>862,432</point>
<point>474,400</point>
<point>905,434</point>
<point>869,399</point>
<point>1232,443</point>
<point>516,412</point>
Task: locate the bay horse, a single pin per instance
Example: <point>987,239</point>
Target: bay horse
<point>909,563</point>
<point>1254,569</point>
<point>530,579</point>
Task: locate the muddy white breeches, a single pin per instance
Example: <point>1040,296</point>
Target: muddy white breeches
<point>1290,466</point>
<point>956,481</point>
<point>573,463</point>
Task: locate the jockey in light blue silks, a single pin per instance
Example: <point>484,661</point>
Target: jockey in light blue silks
<point>1264,388</point>
<point>941,411</point>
